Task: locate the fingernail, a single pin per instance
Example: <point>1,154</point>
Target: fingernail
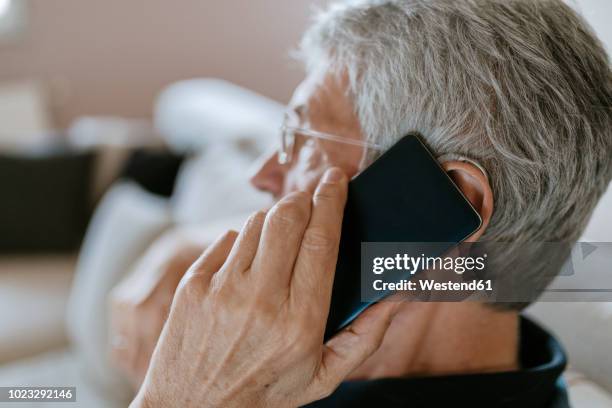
<point>333,175</point>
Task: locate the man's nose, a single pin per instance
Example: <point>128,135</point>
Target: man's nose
<point>269,175</point>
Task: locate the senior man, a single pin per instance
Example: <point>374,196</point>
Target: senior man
<point>522,88</point>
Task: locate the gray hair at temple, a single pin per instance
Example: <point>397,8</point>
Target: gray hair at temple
<point>522,87</point>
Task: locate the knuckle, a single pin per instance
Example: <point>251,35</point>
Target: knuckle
<point>328,192</point>
<point>190,286</point>
<point>320,238</point>
<point>289,212</point>
<point>298,196</point>
<point>256,220</point>
<point>196,267</point>
<point>218,282</point>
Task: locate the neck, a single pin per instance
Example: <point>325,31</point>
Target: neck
<point>445,338</point>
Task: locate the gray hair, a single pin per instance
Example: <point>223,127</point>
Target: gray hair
<point>521,86</point>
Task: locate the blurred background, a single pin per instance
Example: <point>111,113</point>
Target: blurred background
<point>114,57</point>
<point>122,119</point>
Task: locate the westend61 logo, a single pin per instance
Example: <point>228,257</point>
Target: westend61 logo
<point>423,269</point>
<point>496,272</point>
<point>412,264</point>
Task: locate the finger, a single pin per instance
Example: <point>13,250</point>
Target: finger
<point>245,247</point>
<point>280,241</point>
<point>212,259</point>
<point>347,350</point>
<point>316,261</point>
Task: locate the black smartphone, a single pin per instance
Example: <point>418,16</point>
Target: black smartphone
<point>404,196</point>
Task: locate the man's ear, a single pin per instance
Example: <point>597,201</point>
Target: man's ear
<point>475,187</point>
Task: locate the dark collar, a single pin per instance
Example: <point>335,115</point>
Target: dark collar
<point>536,384</point>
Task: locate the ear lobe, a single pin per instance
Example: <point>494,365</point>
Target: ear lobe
<point>475,187</point>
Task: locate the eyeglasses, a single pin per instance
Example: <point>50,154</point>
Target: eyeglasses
<point>287,149</point>
<point>288,134</point>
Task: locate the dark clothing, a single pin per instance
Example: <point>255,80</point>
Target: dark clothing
<point>537,383</point>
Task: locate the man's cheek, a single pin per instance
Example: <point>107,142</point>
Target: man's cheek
<point>303,178</point>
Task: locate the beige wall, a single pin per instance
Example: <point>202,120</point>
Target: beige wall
<point>113,56</point>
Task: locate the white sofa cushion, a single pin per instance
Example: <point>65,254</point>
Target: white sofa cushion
<point>59,368</point>
<point>125,223</point>
<point>33,294</point>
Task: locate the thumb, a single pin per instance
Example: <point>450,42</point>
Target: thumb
<point>347,350</point>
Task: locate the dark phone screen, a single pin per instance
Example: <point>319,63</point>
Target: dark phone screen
<point>404,196</point>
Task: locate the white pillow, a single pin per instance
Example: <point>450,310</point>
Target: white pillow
<point>125,223</point>
<point>196,113</point>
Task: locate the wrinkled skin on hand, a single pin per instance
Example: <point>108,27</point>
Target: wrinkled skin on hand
<point>140,304</point>
<point>247,322</point>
